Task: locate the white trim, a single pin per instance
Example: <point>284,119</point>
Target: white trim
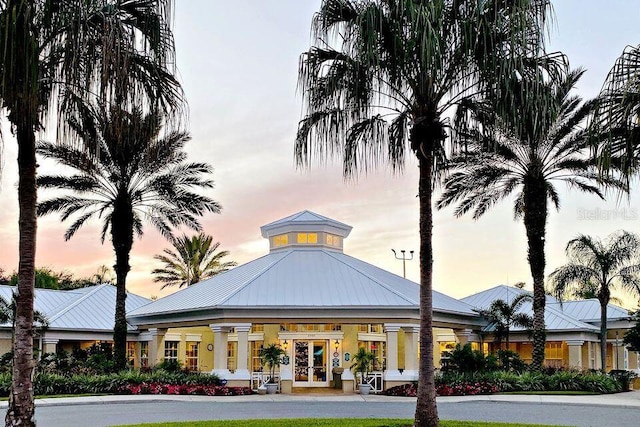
<point>320,335</point>
<point>193,337</point>
<point>173,337</point>
<point>368,336</point>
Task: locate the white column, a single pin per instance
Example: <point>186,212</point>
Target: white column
<point>392,372</point>
<point>410,372</point>
<point>49,345</point>
<point>463,336</point>
<point>156,345</point>
<point>220,335</point>
<point>242,372</point>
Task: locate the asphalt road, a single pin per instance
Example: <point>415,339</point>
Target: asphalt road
<point>128,413</point>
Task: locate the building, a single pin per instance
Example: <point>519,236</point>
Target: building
<point>79,317</point>
<point>307,295</point>
<point>573,331</point>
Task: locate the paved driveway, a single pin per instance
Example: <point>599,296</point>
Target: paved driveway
<point>597,411</point>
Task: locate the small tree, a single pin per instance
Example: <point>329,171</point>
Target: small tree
<point>362,363</point>
<point>271,357</point>
<point>502,315</point>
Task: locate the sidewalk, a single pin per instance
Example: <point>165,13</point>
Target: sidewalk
<point>626,400</point>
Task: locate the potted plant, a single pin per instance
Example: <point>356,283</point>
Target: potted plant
<point>362,362</point>
<point>271,357</point>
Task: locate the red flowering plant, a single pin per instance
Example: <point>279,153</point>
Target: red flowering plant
<point>183,389</point>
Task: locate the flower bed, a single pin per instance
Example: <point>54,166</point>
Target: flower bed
<point>464,389</point>
<point>183,389</point>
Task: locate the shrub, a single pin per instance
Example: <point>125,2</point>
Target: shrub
<point>623,377</point>
<point>464,359</point>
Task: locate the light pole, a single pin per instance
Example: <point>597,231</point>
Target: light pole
<point>404,260</point>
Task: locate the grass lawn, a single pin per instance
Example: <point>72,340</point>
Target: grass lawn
<point>326,422</point>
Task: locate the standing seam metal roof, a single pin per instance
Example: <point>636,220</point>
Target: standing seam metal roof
<point>308,277</point>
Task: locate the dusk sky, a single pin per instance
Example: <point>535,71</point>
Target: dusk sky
<point>238,62</point>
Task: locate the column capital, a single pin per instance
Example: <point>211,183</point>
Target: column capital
<point>577,343</point>
<point>242,327</point>
<point>217,327</point>
<point>46,340</point>
<point>160,332</point>
<point>392,327</point>
<point>412,329</point>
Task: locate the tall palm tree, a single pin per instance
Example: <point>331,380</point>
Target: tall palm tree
<point>136,175</point>
<point>607,264</point>
<point>502,315</point>
<point>525,152</point>
<point>379,82</point>
<point>117,50</point>
<point>194,259</point>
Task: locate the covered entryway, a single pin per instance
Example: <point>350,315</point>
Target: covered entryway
<point>310,363</point>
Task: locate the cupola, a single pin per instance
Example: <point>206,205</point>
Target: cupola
<point>305,229</point>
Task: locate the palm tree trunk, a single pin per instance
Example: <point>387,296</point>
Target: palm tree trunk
<point>122,239</point>
<point>604,301</point>
<point>535,221</point>
<point>21,406</point>
<point>426,410</point>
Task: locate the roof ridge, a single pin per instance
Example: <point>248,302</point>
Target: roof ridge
<point>255,276</point>
<point>331,254</point>
<point>77,301</point>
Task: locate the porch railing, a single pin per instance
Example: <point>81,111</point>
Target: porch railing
<point>374,379</point>
<point>258,379</point>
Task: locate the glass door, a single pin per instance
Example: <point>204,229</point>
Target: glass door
<point>310,363</point>
<point>301,361</point>
<point>319,365</point>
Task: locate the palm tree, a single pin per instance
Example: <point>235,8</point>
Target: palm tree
<point>609,264</point>
<point>538,144</point>
<point>396,69</point>
<point>136,175</point>
<point>617,114</point>
<point>502,315</point>
<point>117,51</point>
<point>194,259</point>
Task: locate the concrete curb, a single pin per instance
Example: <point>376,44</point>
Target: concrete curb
<point>625,400</point>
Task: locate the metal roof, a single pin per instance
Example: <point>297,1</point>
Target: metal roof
<point>589,310</point>
<point>555,319</point>
<point>91,308</point>
<point>301,278</point>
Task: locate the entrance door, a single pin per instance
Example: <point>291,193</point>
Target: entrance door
<point>310,363</point>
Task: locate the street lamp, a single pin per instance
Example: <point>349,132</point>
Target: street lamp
<point>404,259</point>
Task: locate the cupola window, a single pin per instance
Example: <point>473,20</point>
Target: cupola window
<point>281,240</point>
<point>333,240</point>
<point>308,238</point>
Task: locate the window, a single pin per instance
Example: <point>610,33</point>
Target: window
<point>257,327</point>
<point>378,348</point>
<point>309,238</point>
<point>375,328</point>
<point>131,352</point>
<point>553,354</point>
<point>281,240</point>
<point>232,354</point>
<point>171,351</point>
<point>333,240</point>
<point>144,354</point>
<point>256,363</point>
<point>191,360</point>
